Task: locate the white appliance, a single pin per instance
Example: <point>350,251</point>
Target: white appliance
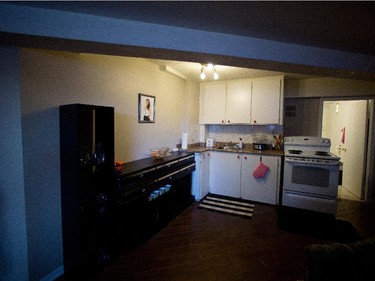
<point>210,143</point>
<point>311,174</point>
<point>200,176</point>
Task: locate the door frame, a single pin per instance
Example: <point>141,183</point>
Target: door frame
<point>368,179</point>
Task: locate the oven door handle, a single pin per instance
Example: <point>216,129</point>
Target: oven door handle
<point>308,163</point>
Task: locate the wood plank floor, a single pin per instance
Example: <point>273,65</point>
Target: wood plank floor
<point>204,245</point>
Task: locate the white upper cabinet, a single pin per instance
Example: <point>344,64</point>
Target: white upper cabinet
<point>267,101</point>
<point>238,102</point>
<point>212,103</point>
<point>249,101</point>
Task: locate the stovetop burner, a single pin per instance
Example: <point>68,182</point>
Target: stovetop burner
<point>322,153</point>
<point>294,151</point>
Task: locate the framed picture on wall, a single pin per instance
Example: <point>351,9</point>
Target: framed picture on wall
<point>146,108</point>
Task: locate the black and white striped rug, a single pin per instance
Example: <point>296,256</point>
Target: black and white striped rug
<point>227,205</point>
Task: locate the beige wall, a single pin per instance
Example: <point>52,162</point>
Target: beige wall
<point>50,79</point>
<point>328,87</point>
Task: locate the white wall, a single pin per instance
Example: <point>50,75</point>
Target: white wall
<point>50,79</point>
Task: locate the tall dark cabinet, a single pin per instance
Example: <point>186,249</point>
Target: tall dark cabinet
<point>87,184</point>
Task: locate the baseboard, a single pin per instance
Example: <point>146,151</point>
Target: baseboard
<point>54,274</point>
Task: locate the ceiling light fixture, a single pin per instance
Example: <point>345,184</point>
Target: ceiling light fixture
<point>209,67</point>
<point>203,74</point>
<point>216,75</point>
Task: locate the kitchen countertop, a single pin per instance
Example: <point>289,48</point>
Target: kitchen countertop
<point>151,163</point>
<point>249,150</point>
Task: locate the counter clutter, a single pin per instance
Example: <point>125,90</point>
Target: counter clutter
<point>247,149</point>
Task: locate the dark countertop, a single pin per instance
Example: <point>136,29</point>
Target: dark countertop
<point>248,150</point>
<point>150,163</point>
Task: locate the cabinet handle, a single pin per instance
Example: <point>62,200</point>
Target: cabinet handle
<point>238,157</point>
<point>222,121</point>
<point>245,157</point>
<point>255,121</point>
<point>228,121</point>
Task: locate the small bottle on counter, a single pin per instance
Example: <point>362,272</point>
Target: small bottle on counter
<point>240,144</point>
<point>273,142</point>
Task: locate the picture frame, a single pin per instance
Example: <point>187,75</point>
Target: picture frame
<point>146,108</point>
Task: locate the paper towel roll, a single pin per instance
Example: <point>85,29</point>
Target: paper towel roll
<point>184,140</point>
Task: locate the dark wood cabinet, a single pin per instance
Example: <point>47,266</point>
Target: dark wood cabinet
<point>150,193</point>
<point>87,183</point>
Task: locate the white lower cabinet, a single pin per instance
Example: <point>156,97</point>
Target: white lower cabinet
<point>263,189</point>
<point>231,174</point>
<point>200,178</point>
<point>225,173</point>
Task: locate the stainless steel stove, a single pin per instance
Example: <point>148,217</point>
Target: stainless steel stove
<point>311,174</point>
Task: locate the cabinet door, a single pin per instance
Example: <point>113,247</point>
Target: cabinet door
<point>264,189</point>
<point>225,173</point>
<point>200,178</point>
<point>266,103</point>
<point>238,102</point>
<point>212,107</point>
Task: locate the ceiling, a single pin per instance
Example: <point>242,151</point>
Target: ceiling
<point>192,70</point>
<point>344,26</point>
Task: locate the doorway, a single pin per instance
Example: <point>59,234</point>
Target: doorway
<point>346,124</point>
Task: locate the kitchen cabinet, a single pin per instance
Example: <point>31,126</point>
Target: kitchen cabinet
<point>264,189</point>
<point>267,101</point>
<point>226,102</point>
<point>238,102</point>
<point>247,101</point>
<point>143,206</point>
<point>200,178</point>
<point>225,173</point>
<point>231,174</point>
<point>212,103</point>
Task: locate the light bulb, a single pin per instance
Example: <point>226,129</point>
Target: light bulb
<point>216,75</point>
<point>203,75</point>
<point>210,66</point>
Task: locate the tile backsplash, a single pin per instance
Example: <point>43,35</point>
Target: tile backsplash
<point>232,133</point>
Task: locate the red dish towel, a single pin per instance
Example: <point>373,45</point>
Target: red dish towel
<point>260,171</point>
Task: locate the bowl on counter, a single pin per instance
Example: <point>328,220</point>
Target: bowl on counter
<point>159,152</point>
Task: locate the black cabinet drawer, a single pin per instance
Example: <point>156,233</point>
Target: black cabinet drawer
<point>138,177</point>
<point>165,168</point>
<point>186,170</point>
<point>187,159</point>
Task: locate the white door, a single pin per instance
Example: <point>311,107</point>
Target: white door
<point>238,102</point>
<point>225,173</point>
<point>213,98</point>
<point>263,189</point>
<point>345,123</point>
<point>200,177</point>
<point>266,101</point>
<point>205,169</point>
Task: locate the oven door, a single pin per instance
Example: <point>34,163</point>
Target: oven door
<point>311,178</point>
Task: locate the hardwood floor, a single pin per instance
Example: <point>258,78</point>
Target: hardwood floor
<point>204,245</point>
